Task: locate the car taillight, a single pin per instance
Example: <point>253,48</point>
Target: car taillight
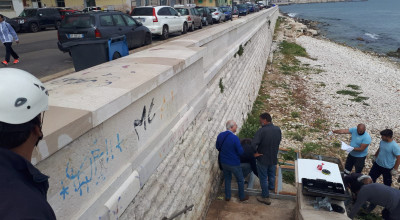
<point>216,13</point>
<point>155,19</point>
<point>97,33</point>
<point>189,18</point>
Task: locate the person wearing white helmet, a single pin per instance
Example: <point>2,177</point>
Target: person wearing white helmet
<point>23,188</point>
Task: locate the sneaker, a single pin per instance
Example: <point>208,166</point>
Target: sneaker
<point>16,61</point>
<point>5,63</point>
<point>227,199</point>
<point>245,199</point>
<point>266,201</point>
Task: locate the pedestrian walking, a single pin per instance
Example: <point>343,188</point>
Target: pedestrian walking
<point>266,143</point>
<point>23,188</point>
<point>360,139</point>
<point>228,144</point>
<point>386,159</point>
<point>7,35</point>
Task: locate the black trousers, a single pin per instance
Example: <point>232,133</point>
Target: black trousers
<point>357,162</point>
<point>10,51</point>
<point>376,171</point>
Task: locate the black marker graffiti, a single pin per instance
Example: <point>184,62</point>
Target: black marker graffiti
<point>142,121</point>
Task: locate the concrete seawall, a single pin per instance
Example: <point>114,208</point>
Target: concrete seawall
<point>287,2</point>
<point>138,133</point>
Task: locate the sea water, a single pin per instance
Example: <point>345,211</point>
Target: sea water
<point>372,25</point>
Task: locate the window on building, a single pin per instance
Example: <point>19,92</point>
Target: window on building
<point>60,3</point>
<point>6,5</point>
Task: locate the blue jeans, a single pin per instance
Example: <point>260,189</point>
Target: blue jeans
<point>237,171</point>
<point>266,174</point>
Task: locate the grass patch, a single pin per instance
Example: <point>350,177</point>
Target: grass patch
<point>295,114</point>
<point>250,127</point>
<point>359,99</point>
<point>348,92</point>
<point>289,155</point>
<point>355,87</point>
<point>221,86</point>
<point>311,147</point>
<point>278,25</point>
<point>321,84</point>
<point>288,177</point>
<point>292,49</point>
<point>368,216</point>
<point>320,124</point>
<point>295,136</point>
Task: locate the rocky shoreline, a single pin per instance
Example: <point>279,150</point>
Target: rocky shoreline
<point>371,83</point>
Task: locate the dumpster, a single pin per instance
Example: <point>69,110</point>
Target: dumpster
<point>88,53</point>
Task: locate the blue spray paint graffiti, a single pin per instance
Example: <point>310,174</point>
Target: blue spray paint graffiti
<point>96,161</point>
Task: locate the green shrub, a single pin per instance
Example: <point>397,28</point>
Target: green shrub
<point>295,114</point>
<point>293,49</point>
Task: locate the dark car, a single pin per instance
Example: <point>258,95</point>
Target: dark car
<point>13,23</point>
<point>243,9</point>
<point>207,16</point>
<point>251,8</point>
<point>227,11</point>
<point>35,19</point>
<point>102,25</point>
<point>67,12</point>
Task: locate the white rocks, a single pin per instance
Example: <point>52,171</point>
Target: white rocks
<point>377,78</point>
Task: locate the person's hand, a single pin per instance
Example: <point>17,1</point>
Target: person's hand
<point>17,41</point>
<point>350,149</point>
<point>257,154</point>
<point>394,172</point>
<point>330,133</point>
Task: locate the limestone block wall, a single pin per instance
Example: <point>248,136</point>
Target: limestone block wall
<point>136,135</point>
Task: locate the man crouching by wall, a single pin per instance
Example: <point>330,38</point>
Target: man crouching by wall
<point>228,144</point>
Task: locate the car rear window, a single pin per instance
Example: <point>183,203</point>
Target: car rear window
<point>200,9</point>
<point>142,12</point>
<point>183,11</point>
<point>212,9</point>
<point>83,21</point>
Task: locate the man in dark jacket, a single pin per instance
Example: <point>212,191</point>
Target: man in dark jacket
<point>228,144</point>
<point>266,142</point>
<point>23,188</point>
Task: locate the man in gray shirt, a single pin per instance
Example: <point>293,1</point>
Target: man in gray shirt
<point>266,144</point>
<point>382,195</point>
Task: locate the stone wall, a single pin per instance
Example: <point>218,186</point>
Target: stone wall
<point>138,133</point>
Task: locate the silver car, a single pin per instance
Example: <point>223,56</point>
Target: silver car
<point>193,17</point>
<point>217,14</point>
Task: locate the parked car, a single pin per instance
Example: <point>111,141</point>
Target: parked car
<point>256,8</point>
<point>13,23</point>
<point>192,16</point>
<point>102,25</point>
<point>67,12</point>
<point>35,19</point>
<point>93,8</point>
<point>261,5</point>
<point>227,11</point>
<point>243,9</point>
<point>207,16</point>
<point>161,20</point>
<point>251,8</point>
<point>217,14</point>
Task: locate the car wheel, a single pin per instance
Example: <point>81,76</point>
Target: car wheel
<point>116,55</point>
<point>165,33</point>
<point>192,27</point>
<point>58,24</point>
<point>201,25</point>
<point>148,40</point>
<point>34,27</point>
<point>184,28</point>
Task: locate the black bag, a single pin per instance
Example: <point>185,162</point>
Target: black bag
<point>219,159</point>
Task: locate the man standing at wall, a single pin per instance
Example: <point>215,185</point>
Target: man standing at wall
<point>7,35</point>
<point>386,159</point>
<point>266,142</point>
<point>23,188</point>
<point>228,144</point>
<point>360,139</point>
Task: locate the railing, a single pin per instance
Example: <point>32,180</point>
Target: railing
<point>187,208</point>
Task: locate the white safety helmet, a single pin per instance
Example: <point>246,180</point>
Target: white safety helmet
<point>22,96</point>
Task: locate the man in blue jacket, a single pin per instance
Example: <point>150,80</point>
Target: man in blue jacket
<point>230,149</point>
<point>7,35</point>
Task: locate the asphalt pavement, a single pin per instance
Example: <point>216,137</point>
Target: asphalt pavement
<point>40,55</point>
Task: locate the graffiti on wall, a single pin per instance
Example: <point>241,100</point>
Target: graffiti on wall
<point>92,168</point>
<point>142,121</point>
